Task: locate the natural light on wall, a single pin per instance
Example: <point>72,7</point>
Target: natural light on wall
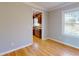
<point>71,22</point>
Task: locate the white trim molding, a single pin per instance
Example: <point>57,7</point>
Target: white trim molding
<point>60,6</point>
<point>48,9</point>
<point>15,49</point>
<point>35,6</point>
<point>63,43</point>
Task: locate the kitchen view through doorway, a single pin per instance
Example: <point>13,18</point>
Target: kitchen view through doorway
<point>37,24</point>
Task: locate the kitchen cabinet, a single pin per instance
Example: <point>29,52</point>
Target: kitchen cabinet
<point>37,32</point>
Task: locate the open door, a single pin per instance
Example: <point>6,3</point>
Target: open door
<point>37,24</point>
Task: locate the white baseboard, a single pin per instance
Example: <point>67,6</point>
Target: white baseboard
<point>15,49</point>
<point>63,43</point>
<point>31,44</point>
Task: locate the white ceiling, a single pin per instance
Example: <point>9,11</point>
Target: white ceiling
<point>48,6</point>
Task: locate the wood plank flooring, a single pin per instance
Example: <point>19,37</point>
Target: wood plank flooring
<point>45,48</point>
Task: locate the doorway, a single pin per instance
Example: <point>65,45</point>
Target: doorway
<point>37,24</point>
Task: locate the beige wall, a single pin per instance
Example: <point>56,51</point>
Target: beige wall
<point>15,26</point>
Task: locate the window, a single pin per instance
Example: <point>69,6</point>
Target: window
<point>36,22</point>
<point>71,22</point>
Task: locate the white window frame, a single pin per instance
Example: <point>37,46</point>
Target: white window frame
<point>63,22</point>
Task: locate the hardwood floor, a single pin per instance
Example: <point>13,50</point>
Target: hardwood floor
<point>45,48</point>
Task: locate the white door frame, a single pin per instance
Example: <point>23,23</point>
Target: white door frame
<point>43,18</point>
